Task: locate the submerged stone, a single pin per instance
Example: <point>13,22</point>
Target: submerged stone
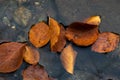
<point>22,15</point>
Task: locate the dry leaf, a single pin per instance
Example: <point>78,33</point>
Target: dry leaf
<point>106,42</point>
<point>11,56</point>
<point>68,57</point>
<point>94,20</point>
<point>39,34</point>
<point>35,72</point>
<point>82,34</point>
<point>57,39</point>
<point>31,55</point>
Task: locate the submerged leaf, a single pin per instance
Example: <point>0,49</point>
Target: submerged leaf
<point>35,72</point>
<point>22,15</point>
<point>68,57</point>
<point>31,55</point>
<point>11,56</point>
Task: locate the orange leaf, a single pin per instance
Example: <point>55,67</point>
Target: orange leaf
<point>94,20</point>
<point>31,55</point>
<point>39,34</point>
<point>57,40</point>
<point>82,34</point>
<point>68,57</point>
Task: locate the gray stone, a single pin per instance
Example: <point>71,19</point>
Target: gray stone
<point>22,15</point>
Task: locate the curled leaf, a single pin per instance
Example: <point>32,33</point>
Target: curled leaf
<point>39,34</point>
<point>11,56</point>
<point>82,34</point>
<point>57,40</point>
<point>106,42</point>
<point>35,72</point>
<point>94,20</point>
<point>31,55</point>
<point>68,57</point>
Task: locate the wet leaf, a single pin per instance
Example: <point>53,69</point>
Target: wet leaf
<point>35,72</point>
<point>11,56</point>
<point>106,42</point>
<point>68,57</point>
<point>39,34</point>
<point>94,20</point>
<point>31,55</point>
<point>22,15</point>
<point>57,39</point>
<point>82,34</point>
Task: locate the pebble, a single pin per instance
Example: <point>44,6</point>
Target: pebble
<point>13,27</point>
<point>6,21</point>
<point>37,3</point>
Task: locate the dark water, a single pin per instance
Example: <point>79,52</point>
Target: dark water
<point>89,65</point>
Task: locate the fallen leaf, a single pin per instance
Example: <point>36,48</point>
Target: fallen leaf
<point>106,42</point>
<point>57,40</point>
<point>35,72</point>
<point>31,55</point>
<point>68,57</point>
<point>11,56</point>
<point>39,34</point>
<point>82,34</point>
<point>22,15</point>
<point>94,20</point>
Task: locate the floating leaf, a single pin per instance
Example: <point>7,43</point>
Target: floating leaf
<point>94,20</point>
<point>68,57</point>
<point>35,72</point>
<point>11,56</point>
<point>57,39</point>
<point>106,42</point>
<point>31,55</point>
<point>82,34</point>
<point>39,34</point>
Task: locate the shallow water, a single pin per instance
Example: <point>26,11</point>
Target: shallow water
<point>88,64</point>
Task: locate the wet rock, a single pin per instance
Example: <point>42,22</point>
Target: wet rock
<point>2,78</point>
<point>79,75</point>
<point>112,70</point>
<point>22,15</point>
<point>84,63</point>
<point>109,77</point>
<point>83,8</point>
<point>51,62</point>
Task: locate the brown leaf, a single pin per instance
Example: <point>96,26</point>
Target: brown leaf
<point>31,55</point>
<point>39,34</point>
<point>11,56</point>
<point>68,57</point>
<point>106,42</point>
<point>35,72</point>
<point>82,34</point>
<point>94,20</point>
<point>57,39</point>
